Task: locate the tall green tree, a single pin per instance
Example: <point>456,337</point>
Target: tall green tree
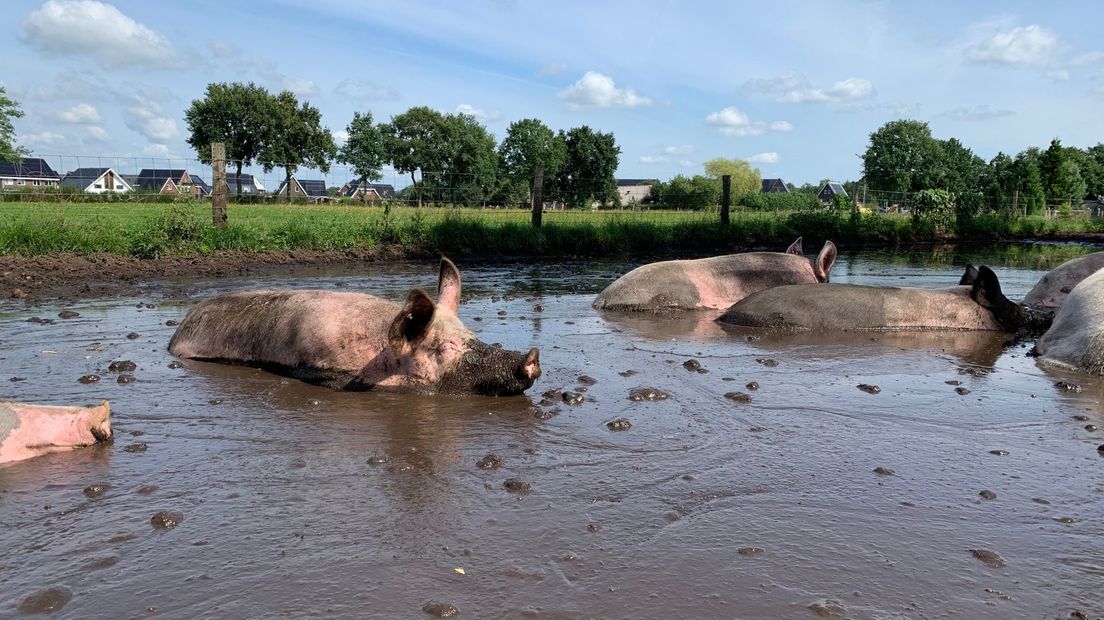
<point>961,170</point>
<point>238,115</point>
<point>529,143</point>
<point>412,140</point>
<point>688,194</point>
<point>588,172</point>
<point>9,110</point>
<point>469,160</point>
<point>998,183</point>
<point>1028,182</point>
<point>1068,184</point>
<point>746,180</point>
<point>1051,162</point>
<point>298,139</point>
<point>1092,168</point>
<point>902,156</point>
<point>364,150</point>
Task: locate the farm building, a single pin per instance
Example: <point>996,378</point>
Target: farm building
<point>95,181</point>
<point>304,189</point>
<point>830,190</point>
<point>370,191</point>
<point>634,190</point>
<point>28,172</point>
<point>774,186</point>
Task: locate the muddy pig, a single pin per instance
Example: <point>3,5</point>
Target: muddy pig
<point>31,430</point>
<point>354,341</point>
<point>713,283</point>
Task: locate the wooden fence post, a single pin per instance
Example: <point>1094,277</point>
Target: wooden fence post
<point>538,196</point>
<point>1016,203</point>
<point>726,197</point>
<point>218,184</point>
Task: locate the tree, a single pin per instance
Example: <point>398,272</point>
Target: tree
<point>745,179</point>
<point>961,170</point>
<point>298,138</point>
<point>468,160</point>
<point>1028,181</point>
<point>902,156</point>
<point>998,182</point>
<point>690,194</point>
<point>1051,162</point>
<point>411,140</point>
<point>364,150</point>
<point>1092,168</point>
<point>9,110</point>
<point>588,172</point>
<point>529,143</point>
<point>238,115</point>
<point>1068,184</point>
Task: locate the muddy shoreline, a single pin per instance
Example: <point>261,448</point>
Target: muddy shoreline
<point>70,276</point>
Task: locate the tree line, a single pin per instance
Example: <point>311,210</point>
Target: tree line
<point>450,157</point>
<point>903,157</point>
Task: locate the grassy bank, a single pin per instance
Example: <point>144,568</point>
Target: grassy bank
<point>151,230</point>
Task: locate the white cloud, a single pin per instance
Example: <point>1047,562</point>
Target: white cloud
<point>301,88</point>
<point>686,163</point>
<point>479,114</point>
<point>654,159</point>
<point>764,158</point>
<point>156,150</point>
<point>44,138</point>
<point>1059,75</point>
<point>795,88</point>
<point>1088,58</point>
<point>97,133</point>
<point>975,113</point>
<point>224,50</point>
<point>732,122</point>
<point>340,136</point>
<point>80,114</point>
<point>364,90</point>
<point>1027,46</point>
<point>555,68</point>
<point>595,90</point>
<point>679,149</point>
<point>99,31</point>
<point>148,120</point>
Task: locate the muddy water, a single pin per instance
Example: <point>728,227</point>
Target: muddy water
<point>295,501</point>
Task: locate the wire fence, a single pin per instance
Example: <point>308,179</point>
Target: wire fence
<point>113,179</point>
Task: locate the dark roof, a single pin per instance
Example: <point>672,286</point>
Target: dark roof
<point>626,182</point>
<point>201,184</point>
<point>82,177</point>
<point>774,186</point>
<point>28,168</point>
<point>383,190</point>
<point>154,178</point>
<point>833,188</point>
<point>314,189</point>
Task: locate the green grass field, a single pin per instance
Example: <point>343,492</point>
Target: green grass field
<point>150,230</point>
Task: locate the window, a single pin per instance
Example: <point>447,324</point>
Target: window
<point>9,182</point>
<point>118,187</point>
<point>20,182</point>
<point>35,183</point>
<point>97,186</point>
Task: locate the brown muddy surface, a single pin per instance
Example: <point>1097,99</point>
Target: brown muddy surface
<point>233,493</point>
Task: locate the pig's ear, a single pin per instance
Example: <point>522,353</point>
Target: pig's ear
<point>795,248</point>
<point>822,266</point>
<point>448,286</point>
<point>986,289</point>
<point>969,277</point>
<point>412,322</point>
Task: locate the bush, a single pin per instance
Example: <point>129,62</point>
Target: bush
<point>790,201</point>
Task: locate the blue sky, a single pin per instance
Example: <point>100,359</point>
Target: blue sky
<point>794,87</point>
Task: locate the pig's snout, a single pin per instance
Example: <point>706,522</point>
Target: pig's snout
<point>492,371</point>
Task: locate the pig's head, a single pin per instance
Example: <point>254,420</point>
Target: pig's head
<point>446,355</point>
<point>985,289</point>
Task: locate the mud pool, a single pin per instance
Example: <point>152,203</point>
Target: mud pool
<point>967,485</point>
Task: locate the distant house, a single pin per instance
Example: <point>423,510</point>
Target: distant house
<point>774,186</point>
<point>250,185</point>
<point>303,189</point>
<point>166,181</point>
<point>370,191</point>
<point>634,190</point>
<point>830,190</point>
<point>200,186</point>
<point>95,181</point>
<point>28,172</point>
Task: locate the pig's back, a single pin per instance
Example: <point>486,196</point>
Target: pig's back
<point>317,329</point>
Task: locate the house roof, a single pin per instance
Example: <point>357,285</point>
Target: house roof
<point>154,178</point>
<point>201,184</point>
<point>82,177</point>
<point>833,187</point>
<point>630,182</point>
<point>774,186</point>
<point>383,190</point>
<point>28,168</point>
<point>313,188</point>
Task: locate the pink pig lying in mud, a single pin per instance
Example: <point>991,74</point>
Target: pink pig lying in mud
<point>1076,339</point>
<point>32,430</point>
<point>976,304</point>
<point>354,341</point>
<point>713,283</point>
<point>1051,290</point>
